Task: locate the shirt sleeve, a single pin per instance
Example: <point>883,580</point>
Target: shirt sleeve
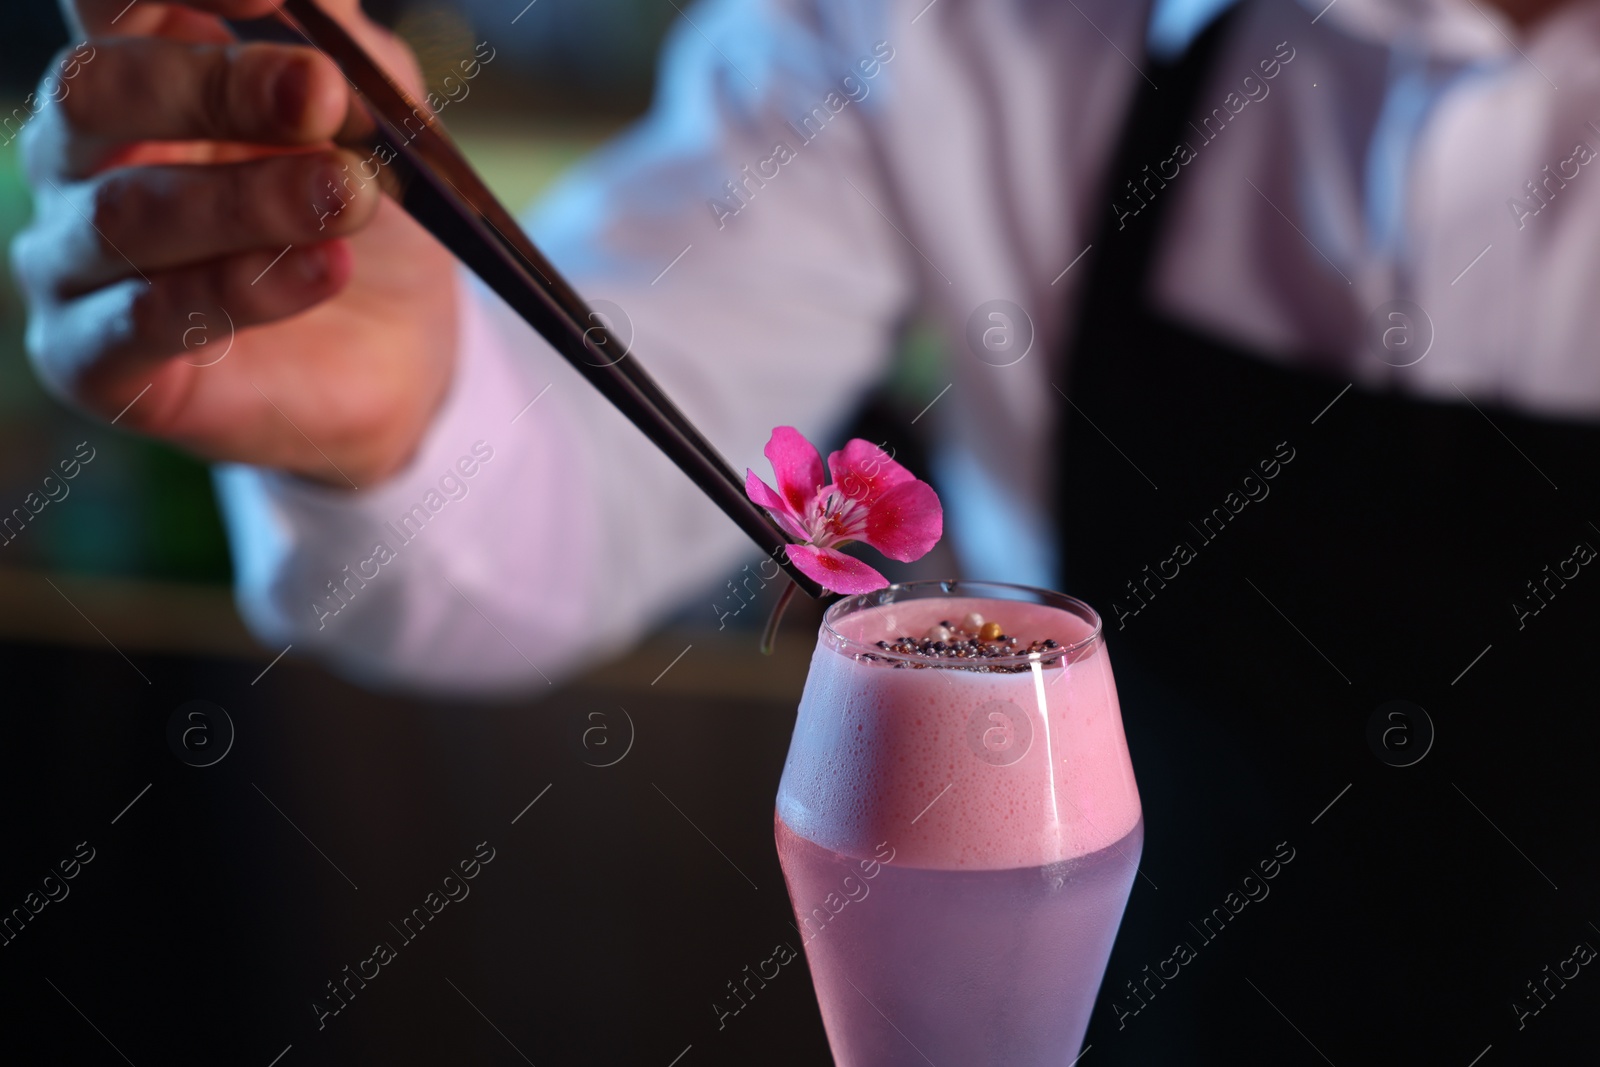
<point>739,243</point>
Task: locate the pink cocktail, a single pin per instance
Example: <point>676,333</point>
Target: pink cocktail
<point>958,824</point>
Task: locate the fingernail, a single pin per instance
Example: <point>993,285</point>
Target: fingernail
<point>291,90</point>
<point>312,263</point>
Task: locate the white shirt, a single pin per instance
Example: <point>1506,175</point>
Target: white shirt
<point>1387,158</point>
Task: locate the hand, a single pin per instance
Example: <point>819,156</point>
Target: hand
<point>171,168</point>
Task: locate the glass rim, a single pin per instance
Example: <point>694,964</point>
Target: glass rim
<point>962,588</point>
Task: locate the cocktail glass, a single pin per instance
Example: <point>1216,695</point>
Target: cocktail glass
<point>958,835</point>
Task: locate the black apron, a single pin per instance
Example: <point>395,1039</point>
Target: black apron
<point>1274,571</point>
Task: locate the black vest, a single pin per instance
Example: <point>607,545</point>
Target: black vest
<point>1277,556</point>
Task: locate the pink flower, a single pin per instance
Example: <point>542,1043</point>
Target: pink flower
<point>872,498</point>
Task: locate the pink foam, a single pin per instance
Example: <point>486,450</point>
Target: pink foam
<point>916,758</point>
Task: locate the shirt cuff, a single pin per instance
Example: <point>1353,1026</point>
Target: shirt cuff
<point>288,534</point>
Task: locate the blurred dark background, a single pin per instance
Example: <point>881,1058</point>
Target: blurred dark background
<point>629,812</point>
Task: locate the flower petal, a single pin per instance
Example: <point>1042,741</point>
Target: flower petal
<point>863,472</point>
<point>763,495</point>
<point>835,571</point>
<point>905,522</point>
<point>796,465</point>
